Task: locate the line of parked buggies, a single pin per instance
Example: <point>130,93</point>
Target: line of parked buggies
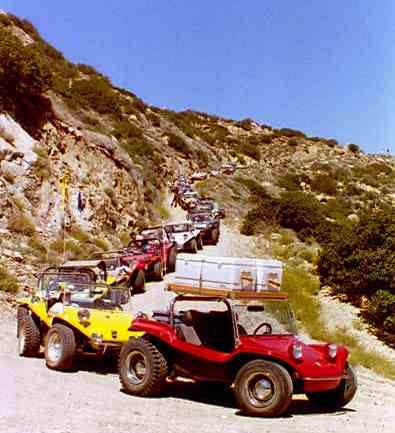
<point>100,287</point>
<point>245,339</point>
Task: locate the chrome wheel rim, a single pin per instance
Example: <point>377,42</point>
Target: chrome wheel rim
<point>260,389</point>
<point>136,367</point>
<point>54,347</point>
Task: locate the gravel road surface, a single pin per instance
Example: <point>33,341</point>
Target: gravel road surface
<point>34,399</point>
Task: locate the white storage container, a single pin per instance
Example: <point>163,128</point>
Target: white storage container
<point>228,273</point>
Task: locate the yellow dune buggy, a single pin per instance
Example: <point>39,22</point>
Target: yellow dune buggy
<point>69,314</point>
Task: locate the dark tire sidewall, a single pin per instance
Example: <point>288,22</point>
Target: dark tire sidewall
<point>281,385</point>
<point>66,335</point>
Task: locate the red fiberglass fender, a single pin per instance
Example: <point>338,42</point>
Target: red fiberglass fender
<point>315,367</point>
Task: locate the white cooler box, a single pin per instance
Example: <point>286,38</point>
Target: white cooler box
<point>228,273</point>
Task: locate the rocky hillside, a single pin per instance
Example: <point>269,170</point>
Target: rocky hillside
<point>60,120</point>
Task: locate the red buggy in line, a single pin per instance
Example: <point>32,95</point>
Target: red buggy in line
<point>246,340</point>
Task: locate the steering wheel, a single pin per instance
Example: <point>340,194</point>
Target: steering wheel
<point>267,331</point>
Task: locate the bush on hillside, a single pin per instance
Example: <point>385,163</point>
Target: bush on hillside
<point>96,94</point>
<point>324,183</point>
<point>263,216</point>
<point>291,181</point>
<point>177,143</point>
<point>293,142</point>
<point>332,142</point>
<point>265,139</point>
<point>354,148</point>
<point>359,259</point>
<point>250,149</point>
<point>301,212</point>
<point>256,190</point>
<point>202,157</point>
<point>126,129</point>
<point>288,132</point>
<point>23,72</point>
<point>382,309</point>
<point>8,283</point>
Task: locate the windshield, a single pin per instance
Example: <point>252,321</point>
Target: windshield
<point>200,218</point>
<point>275,316</point>
<point>97,296</point>
<point>153,232</point>
<point>178,228</point>
<point>50,281</point>
<point>143,246</point>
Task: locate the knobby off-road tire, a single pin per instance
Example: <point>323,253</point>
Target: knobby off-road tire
<point>171,260</point>
<point>263,388</point>
<point>214,236</point>
<point>142,368</point>
<point>21,312</point>
<point>157,273</point>
<point>193,248</point>
<point>138,282</point>
<point>338,397</point>
<point>60,347</point>
<point>28,337</point>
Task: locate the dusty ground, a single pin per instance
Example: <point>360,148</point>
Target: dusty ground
<point>34,399</point>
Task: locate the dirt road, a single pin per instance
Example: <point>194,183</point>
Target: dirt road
<point>34,399</point>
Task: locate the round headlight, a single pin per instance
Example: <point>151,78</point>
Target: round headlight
<point>83,315</point>
<point>297,351</point>
<point>332,350</point>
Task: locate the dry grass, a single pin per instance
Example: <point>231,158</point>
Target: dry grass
<point>8,283</point>
<point>21,223</point>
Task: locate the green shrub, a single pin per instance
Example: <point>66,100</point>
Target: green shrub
<point>382,308</point>
<point>324,183</point>
<point>301,212</point>
<point>25,25</point>
<point>154,119</point>
<point>5,20</point>
<point>87,69</point>
<point>94,93</point>
<point>40,167</point>
<point>250,149</point>
<point>266,139</point>
<point>202,156</point>
<point>293,142</point>
<point>332,142</point>
<point>24,77</point>
<point>138,146</point>
<point>126,129</point>
<point>101,243</point>
<point>177,143</point>
<point>36,245</point>
<point>354,148</point>
<point>23,72</point>
<point>255,189</point>
<point>264,215</point>
<point>245,124</point>
<point>337,208</point>
<point>359,258</point>
<point>288,132</point>
<point>80,235</point>
<point>291,181</point>
<point>8,283</point>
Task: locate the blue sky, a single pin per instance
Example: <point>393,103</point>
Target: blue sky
<point>324,67</point>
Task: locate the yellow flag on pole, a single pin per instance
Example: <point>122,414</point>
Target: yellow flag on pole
<point>64,186</point>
